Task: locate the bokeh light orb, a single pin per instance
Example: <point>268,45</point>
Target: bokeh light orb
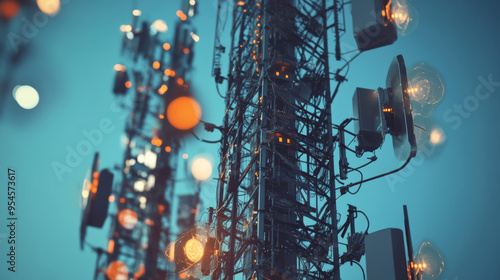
<point>184,113</point>
<point>117,270</point>
<point>26,96</point>
<point>193,250</point>
<point>437,136</point>
<point>201,168</point>
<point>9,9</point>
<point>160,25</point>
<point>127,218</point>
<point>49,7</point>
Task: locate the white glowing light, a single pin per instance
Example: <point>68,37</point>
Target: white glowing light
<point>130,35</point>
<point>195,37</point>
<point>142,201</point>
<point>160,25</point>
<point>26,96</point>
<point>151,181</point>
<point>136,13</point>
<point>201,169</point>
<point>437,136</point>
<point>139,185</point>
<point>140,158</point>
<point>150,159</point>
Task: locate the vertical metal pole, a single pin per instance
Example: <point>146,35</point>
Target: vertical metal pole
<point>409,243</point>
<point>263,143</point>
<point>333,202</point>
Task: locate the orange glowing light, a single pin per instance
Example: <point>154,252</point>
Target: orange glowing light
<point>156,141</point>
<point>127,218</point>
<point>149,222</point>
<point>156,65</point>
<point>180,81</point>
<point>9,9</point>
<point>241,3</point>
<point>185,156</point>
<point>169,72</point>
<point>168,149</point>
<point>193,250</point>
<point>161,117</point>
<point>140,271</point>
<point>183,275</point>
<point>117,270</point>
<point>184,113</point>
<point>95,182</point>
<point>111,198</point>
<point>166,46</point>
<point>181,15</point>
<point>122,200</point>
<point>161,208</point>
<point>128,84</point>
<point>111,246</point>
<point>277,73</point>
<point>162,89</point>
<point>185,50</point>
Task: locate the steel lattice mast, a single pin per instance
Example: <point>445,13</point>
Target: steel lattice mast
<point>276,210</point>
<point>148,171</point>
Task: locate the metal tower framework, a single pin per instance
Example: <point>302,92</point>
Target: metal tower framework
<point>152,145</point>
<point>276,212</point>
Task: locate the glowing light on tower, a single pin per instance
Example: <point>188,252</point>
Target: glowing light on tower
<point>426,89</point>
<point>404,16</point>
<point>193,250</point>
<point>431,260</point>
<point>117,270</point>
<point>184,113</point>
<point>160,25</point>
<point>26,96</point>
<point>127,218</point>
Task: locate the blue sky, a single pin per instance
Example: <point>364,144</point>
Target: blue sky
<point>451,193</point>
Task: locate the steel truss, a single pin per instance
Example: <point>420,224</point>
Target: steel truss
<point>276,210</point>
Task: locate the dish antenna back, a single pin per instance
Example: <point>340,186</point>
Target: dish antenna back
<point>384,111</point>
<point>95,198</point>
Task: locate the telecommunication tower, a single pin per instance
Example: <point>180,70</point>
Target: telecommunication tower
<point>159,75</point>
<point>276,214</point>
<point>276,208</point>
